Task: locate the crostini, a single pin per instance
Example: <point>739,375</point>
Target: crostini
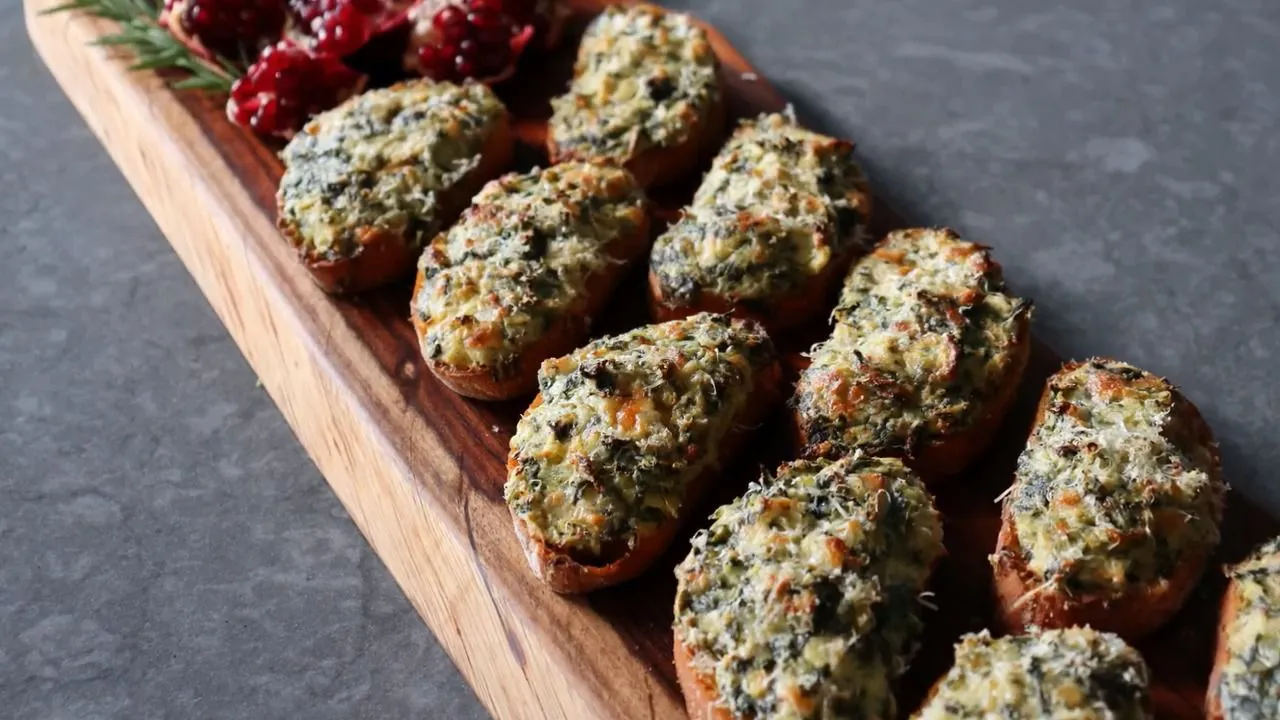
<point>520,276</point>
<point>1245,684</point>
<point>1114,507</point>
<point>924,359</point>
<point>624,437</point>
<point>1067,674</point>
<point>645,93</point>
<point>770,231</point>
<point>367,183</point>
<point>802,598</point>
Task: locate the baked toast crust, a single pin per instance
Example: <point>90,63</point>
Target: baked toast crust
<point>778,314</point>
<point>1234,601</point>
<point>1023,599</point>
<point>698,689</point>
<point>567,575</point>
<point>1230,607</point>
<point>946,456</point>
<point>566,334</point>
<point>659,166</point>
<point>384,257</point>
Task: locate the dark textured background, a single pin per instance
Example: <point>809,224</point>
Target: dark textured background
<point>166,548</point>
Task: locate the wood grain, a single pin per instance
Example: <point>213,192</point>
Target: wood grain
<point>421,469</point>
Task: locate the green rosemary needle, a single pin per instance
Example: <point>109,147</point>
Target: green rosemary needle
<point>152,46</point>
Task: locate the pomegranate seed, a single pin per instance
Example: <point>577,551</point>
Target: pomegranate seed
<point>429,56</point>
<point>473,38</point>
<point>343,31</point>
<point>286,86</point>
<point>450,16</point>
<point>342,27</point>
<point>267,115</point>
<point>229,28</point>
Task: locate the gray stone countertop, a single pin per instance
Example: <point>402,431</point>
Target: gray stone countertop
<point>168,550</point>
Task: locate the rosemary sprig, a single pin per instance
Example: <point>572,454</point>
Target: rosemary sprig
<point>154,47</point>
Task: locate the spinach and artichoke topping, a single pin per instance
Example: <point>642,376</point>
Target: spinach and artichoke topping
<point>644,79</point>
<point>1071,674</point>
<point>924,336</point>
<point>376,163</point>
<point>802,598</point>
<point>624,424</point>
<point>1249,683</point>
<point>520,259</point>
<point>1116,486</point>
<point>779,206</point>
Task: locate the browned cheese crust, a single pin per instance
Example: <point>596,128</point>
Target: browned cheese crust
<point>924,360</point>
<point>1067,674</point>
<point>625,437</point>
<point>519,278</point>
<point>1114,508</point>
<point>770,231</point>
<point>368,183</point>
<point>1245,683</point>
<point>645,93</point>
<point>801,599</point>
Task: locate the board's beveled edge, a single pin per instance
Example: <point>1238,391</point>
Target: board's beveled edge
<point>511,665</point>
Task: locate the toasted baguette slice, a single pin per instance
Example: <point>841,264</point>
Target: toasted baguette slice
<point>1245,683</point>
<point>364,187</point>
<point>623,439</point>
<point>701,699</point>
<point>518,279</point>
<point>769,233</point>
<point>1058,674</point>
<point>924,359</point>
<point>802,594</point>
<point>645,93</point>
<point>1084,543</point>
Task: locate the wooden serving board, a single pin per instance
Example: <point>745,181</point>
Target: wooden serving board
<point>421,469</point>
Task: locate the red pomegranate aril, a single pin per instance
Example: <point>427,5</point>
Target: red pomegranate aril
<point>343,27</point>
<point>229,28</point>
<point>474,38</point>
<point>266,115</point>
<point>343,31</point>
<point>451,21</point>
<point>430,56</point>
<point>286,86</point>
